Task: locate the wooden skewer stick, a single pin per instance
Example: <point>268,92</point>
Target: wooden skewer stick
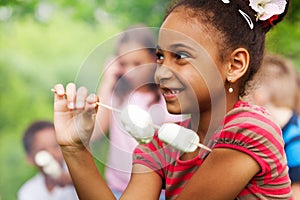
<point>53,90</point>
<point>203,146</point>
<point>99,104</point>
<point>108,107</point>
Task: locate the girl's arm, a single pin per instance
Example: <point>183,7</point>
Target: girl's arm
<point>144,184</point>
<point>74,118</point>
<point>90,185</point>
<point>86,178</point>
<point>223,175</point>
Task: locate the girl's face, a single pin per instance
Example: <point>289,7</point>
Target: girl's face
<point>137,63</point>
<point>187,71</point>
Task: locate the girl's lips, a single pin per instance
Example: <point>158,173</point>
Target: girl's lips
<point>171,94</point>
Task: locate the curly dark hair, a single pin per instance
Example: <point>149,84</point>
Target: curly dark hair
<point>32,130</point>
<point>232,30</point>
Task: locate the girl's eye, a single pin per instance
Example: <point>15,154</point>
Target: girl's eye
<point>181,55</point>
<point>182,58</point>
<point>159,58</point>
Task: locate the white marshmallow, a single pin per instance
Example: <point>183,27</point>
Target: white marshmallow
<point>49,165</point>
<point>138,123</point>
<point>179,137</point>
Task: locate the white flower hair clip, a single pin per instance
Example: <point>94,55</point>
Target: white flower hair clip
<point>265,10</point>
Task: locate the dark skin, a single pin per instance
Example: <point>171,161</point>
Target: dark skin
<point>226,169</point>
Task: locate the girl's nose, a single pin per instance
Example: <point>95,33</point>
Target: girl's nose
<point>162,74</point>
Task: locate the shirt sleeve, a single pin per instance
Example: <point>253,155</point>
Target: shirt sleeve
<point>151,155</point>
<point>255,134</point>
<point>156,155</point>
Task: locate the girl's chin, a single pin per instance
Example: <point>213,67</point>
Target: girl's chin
<point>173,109</point>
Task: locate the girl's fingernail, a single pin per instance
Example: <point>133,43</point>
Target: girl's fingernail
<point>79,104</point>
<point>90,98</point>
<point>60,92</point>
<point>71,105</point>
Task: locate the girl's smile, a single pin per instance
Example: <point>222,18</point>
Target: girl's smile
<point>169,93</point>
<point>186,73</point>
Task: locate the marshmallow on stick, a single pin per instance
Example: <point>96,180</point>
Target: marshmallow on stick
<point>138,123</point>
<point>49,165</point>
<point>179,137</point>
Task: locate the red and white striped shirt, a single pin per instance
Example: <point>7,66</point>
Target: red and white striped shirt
<point>246,128</point>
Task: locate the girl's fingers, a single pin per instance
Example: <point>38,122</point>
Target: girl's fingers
<point>71,95</point>
<point>91,101</point>
<point>76,99</point>
<point>59,92</point>
<point>82,94</point>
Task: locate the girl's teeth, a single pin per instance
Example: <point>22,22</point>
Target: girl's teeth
<point>174,91</point>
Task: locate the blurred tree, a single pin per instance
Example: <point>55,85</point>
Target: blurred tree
<point>294,15</point>
<point>129,11</point>
<point>149,12</point>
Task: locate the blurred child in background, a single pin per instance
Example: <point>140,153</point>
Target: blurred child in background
<point>52,183</point>
<point>276,87</point>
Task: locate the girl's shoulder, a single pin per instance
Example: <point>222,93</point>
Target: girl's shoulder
<point>244,106</point>
<point>247,113</point>
<point>251,129</point>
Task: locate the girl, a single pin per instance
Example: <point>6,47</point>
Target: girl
<point>247,160</point>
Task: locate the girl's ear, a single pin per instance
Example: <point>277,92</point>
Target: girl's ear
<point>239,63</point>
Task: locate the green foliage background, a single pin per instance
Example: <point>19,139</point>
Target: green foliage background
<point>35,55</point>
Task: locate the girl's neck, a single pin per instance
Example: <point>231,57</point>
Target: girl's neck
<point>206,123</point>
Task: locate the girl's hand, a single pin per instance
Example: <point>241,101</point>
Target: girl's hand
<point>74,115</point>
<point>112,73</point>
